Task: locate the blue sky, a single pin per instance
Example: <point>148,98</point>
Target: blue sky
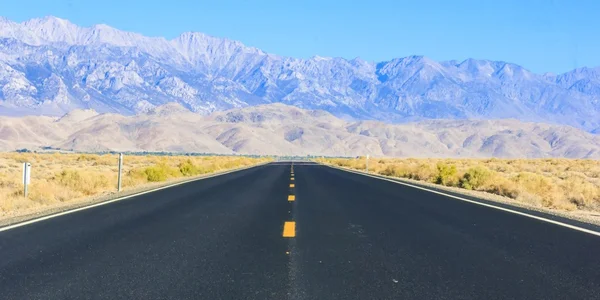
<point>543,36</point>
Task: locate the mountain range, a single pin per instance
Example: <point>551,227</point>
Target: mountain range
<point>50,66</point>
<point>287,130</point>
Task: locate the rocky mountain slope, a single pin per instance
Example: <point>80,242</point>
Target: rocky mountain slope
<point>50,66</point>
<point>288,130</point>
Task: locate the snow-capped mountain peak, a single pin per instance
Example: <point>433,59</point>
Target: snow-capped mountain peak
<point>49,23</point>
<point>54,30</point>
<point>51,66</point>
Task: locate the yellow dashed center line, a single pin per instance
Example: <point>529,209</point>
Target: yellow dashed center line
<point>289,229</point>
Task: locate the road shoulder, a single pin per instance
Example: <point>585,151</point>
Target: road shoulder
<point>576,219</point>
<point>8,221</point>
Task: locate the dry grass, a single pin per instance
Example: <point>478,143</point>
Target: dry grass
<point>563,184</point>
<point>59,177</point>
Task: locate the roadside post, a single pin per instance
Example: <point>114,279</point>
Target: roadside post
<point>120,171</point>
<point>367,164</point>
<point>26,178</point>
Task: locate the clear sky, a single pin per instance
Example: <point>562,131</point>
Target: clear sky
<point>542,35</point>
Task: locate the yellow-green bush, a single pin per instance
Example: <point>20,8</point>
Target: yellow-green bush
<point>156,173</point>
<point>187,168</point>
<point>475,177</point>
<point>446,174</point>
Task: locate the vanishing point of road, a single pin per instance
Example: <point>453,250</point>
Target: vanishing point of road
<point>305,231</point>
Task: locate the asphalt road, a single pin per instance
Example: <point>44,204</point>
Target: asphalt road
<point>347,237</point>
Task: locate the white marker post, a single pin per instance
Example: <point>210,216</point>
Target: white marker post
<point>367,165</point>
<point>26,178</point>
<point>120,170</point>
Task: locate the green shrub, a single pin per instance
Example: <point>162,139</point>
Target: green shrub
<point>187,168</point>
<point>445,174</point>
<point>156,173</point>
<point>475,177</point>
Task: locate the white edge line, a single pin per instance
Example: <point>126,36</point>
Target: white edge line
<point>9,227</point>
<point>596,233</point>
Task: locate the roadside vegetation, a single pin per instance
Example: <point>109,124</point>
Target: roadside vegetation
<point>60,177</point>
<point>564,184</point>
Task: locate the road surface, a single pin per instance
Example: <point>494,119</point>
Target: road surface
<point>326,234</point>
